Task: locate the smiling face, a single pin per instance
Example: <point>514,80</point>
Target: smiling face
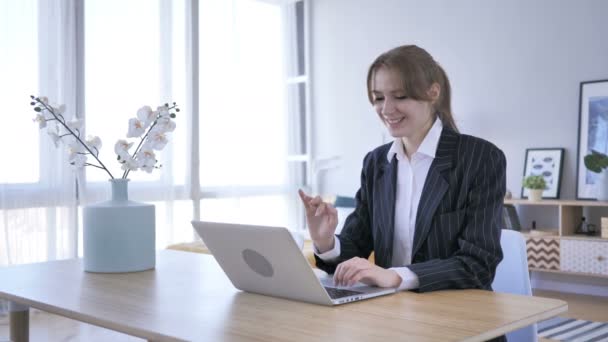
<point>403,116</point>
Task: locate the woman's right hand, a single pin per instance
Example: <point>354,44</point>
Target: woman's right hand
<point>322,219</point>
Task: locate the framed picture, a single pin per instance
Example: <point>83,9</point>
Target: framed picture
<point>546,162</point>
<point>592,133</point>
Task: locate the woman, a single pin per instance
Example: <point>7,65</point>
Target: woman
<point>430,202</point>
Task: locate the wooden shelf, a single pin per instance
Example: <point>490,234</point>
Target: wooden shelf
<point>584,237</point>
<point>540,232</point>
<point>593,275</point>
<point>519,201</point>
<point>576,203</point>
<point>549,244</point>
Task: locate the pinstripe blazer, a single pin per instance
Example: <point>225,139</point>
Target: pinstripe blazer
<point>457,233</point>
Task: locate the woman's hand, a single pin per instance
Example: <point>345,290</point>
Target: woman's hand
<point>358,269</point>
<point>322,221</point>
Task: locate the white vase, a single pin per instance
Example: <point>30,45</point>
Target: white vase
<point>602,185</point>
<point>535,195</point>
<point>119,235</point>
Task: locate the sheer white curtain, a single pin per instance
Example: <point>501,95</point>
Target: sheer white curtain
<point>39,211</point>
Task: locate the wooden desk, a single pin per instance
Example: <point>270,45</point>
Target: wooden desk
<point>188,297</point>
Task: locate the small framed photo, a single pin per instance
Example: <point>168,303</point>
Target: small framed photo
<point>592,133</point>
<point>546,162</point>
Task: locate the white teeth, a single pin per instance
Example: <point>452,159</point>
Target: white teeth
<point>393,121</point>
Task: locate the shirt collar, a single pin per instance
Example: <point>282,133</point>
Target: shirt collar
<point>427,147</point>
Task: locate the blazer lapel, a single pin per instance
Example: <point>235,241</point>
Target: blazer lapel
<point>387,186</point>
<point>435,186</point>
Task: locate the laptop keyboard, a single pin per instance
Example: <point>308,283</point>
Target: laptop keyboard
<point>335,293</point>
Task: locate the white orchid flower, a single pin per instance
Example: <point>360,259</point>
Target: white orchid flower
<point>94,143</point>
<point>75,148</point>
<point>128,163</point>
<point>41,120</point>
<point>163,111</point>
<point>69,133</point>
<point>164,125</point>
<point>76,124</point>
<point>146,116</point>
<point>136,128</point>
<point>55,138</point>
<point>147,167</point>
<point>54,133</point>
<point>76,155</point>
<point>146,153</point>
<point>157,140</point>
<point>58,109</point>
<point>146,159</point>
<point>78,161</point>
<point>122,148</point>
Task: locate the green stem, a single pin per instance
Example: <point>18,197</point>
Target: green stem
<point>93,165</point>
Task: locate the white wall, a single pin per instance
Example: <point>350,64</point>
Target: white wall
<point>515,68</point>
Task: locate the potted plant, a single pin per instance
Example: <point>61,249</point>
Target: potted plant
<point>535,185</point>
<point>598,162</point>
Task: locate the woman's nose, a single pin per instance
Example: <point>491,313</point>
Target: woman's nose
<point>388,107</point>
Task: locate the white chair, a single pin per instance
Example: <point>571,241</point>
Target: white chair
<point>512,277</point>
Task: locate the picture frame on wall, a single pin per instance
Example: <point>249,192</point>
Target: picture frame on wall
<point>592,133</point>
<point>546,162</point>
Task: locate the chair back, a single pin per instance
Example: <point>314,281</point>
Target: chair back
<point>512,276</point>
<point>344,206</point>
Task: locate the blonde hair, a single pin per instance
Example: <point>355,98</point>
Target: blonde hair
<point>418,71</point>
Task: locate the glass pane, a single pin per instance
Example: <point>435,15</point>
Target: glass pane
<point>300,36</point>
<point>122,73</point>
<point>242,94</point>
<point>173,223</point>
<point>247,210</point>
<point>179,138</point>
<point>19,141</point>
<point>297,175</point>
<point>297,118</point>
<point>296,48</point>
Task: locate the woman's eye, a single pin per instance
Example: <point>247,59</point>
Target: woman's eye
<point>401,97</point>
<point>378,99</point>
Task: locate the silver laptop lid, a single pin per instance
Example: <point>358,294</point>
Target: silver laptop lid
<point>263,260</point>
<point>267,260</point>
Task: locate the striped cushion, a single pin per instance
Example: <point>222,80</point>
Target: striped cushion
<point>571,329</point>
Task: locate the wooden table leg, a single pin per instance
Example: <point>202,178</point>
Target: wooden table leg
<point>19,322</point>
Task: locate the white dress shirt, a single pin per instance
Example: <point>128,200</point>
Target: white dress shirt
<point>411,175</point>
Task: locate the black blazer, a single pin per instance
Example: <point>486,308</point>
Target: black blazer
<point>457,233</point>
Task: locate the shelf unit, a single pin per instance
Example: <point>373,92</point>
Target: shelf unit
<point>559,249</point>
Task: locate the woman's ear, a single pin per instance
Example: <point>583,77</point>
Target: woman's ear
<point>434,91</point>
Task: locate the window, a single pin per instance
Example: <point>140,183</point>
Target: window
<point>19,142</point>
<point>107,59</point>
<point>242,115</point>
<point>122,72</point>
<point>253,114</point>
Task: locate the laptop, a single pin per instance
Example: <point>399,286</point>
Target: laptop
<point>267,261</point>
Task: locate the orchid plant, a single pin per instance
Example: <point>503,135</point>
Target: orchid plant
<point>151,126</point>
